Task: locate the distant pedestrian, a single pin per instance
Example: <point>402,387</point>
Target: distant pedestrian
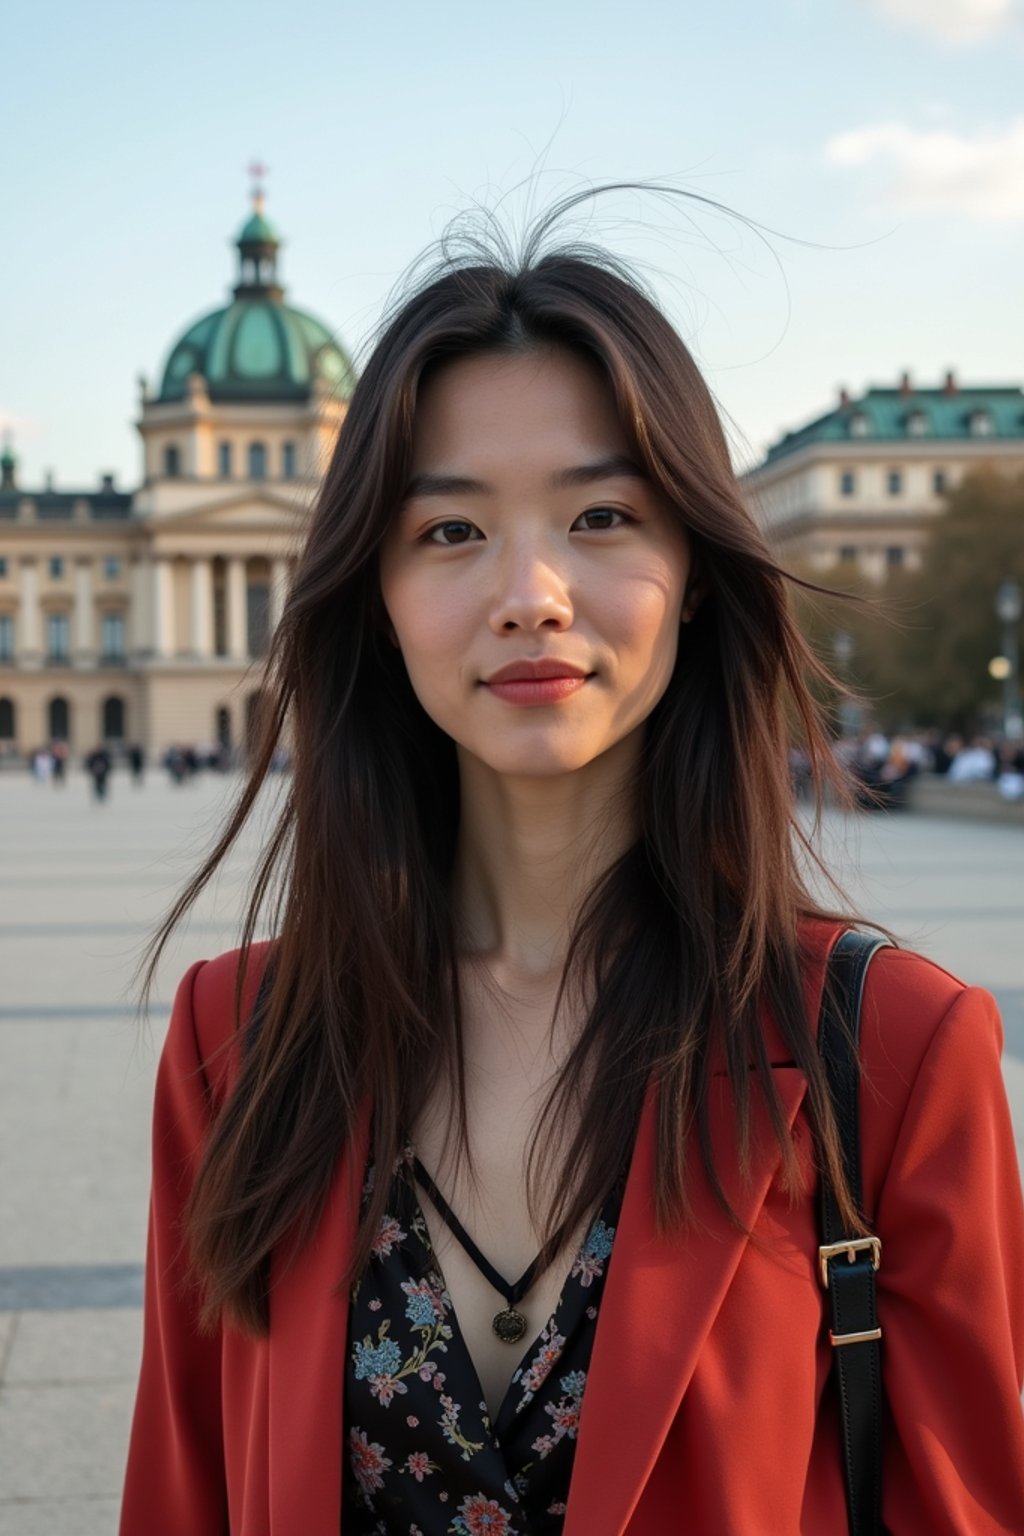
<point>42,765</point>
<point>59,754</point>
<point>98,764</point>
<point>137,763</point>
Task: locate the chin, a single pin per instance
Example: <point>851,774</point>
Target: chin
<point>535,762</point>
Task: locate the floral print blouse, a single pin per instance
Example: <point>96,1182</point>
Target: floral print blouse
<point>422,1457</point>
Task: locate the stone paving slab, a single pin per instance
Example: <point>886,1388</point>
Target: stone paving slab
<point>82,886</point>
<point>60,1517</point>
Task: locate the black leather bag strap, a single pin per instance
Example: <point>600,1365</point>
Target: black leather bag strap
<point>848,1262</point>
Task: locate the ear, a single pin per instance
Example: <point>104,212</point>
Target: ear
<point>696,591</point>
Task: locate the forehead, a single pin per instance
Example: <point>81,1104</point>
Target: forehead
<point>549,405</point>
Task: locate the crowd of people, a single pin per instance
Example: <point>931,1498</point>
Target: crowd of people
<point>882,766</point>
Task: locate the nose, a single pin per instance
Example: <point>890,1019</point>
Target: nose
<point>530,593</point>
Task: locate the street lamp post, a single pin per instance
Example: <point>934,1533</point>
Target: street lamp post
<point>1008,610</point>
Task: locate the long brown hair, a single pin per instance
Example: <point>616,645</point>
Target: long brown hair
<point>683,940</point>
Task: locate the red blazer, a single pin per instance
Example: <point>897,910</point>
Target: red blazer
<point>703,1407</point>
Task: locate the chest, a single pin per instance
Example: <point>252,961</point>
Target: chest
<point>501,1112</point>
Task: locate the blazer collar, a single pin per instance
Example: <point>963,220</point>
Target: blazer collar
<point>660,1300</point>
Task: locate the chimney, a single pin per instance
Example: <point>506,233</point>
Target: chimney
<point>906,388</point>
<point>8,467</point>
<point>844,397</point>
<point>106,483</point>
<point>950,387</point>
<point>48,481</point>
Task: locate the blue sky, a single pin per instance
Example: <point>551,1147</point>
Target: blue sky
<point>885,138</point>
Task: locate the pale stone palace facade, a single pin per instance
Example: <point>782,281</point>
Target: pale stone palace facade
<point>142,617</point>
<point>859,486</point>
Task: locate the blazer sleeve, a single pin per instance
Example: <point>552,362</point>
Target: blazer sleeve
<point>951,1291</point>
<point>175,1479</point>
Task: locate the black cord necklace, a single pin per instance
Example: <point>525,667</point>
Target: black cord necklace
<point>509,1324</point>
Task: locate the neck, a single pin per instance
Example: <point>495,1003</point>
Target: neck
<point>529,850</point>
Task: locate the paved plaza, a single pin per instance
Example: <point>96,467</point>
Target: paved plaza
<point>83,884</point>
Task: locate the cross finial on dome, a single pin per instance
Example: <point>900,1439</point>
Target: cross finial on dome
<point>257,170</point>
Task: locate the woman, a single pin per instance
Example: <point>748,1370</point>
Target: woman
<point>484,1194</point>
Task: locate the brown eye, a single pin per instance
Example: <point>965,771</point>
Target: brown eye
<point>604,512</point>
<point>453,523</point>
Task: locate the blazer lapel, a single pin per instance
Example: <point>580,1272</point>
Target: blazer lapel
<point>308,1325</point>
<point>660,1301</point>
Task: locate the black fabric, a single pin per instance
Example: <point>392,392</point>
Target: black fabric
<point>421,1456</point>
<point>851,1285</point>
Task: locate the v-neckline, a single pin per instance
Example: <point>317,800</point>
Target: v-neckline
<point>499,1423</point>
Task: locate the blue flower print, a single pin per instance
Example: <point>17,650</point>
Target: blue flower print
<point>597,1246</point>
<point>381,1359</point>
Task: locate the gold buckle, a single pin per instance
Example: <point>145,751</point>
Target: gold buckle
<point>851,1247</point>
<point>838,1339</point>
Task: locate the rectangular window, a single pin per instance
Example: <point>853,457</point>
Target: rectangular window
<point>895,482</point>
<point>3,565</point>
<point>6,637</point>
<point>939,482</point>
<point>847,483</point>
<point>112,637</point>
<point>894,556</point>
<point>288,461</point>
<point>224,460</point>
<point>848,554</point>
<point>57,633</point>
<point>258,618</point>
<point>56,565</point>
<point>112,567</point>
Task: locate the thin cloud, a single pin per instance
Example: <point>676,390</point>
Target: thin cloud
<point>952,21</point>
<point>936,170</point>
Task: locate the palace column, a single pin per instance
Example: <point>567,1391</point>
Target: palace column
<point>140,639</point>
<point>202,608</point>
<point>278,591</point>
<point>238,641</point>
<point>29,635</point>
<point>84,641</point>
<point>163,606</point>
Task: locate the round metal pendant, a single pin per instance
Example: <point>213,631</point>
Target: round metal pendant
<point>509,1325</point>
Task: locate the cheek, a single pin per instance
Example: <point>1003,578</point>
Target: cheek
<point>432,627</point>
<point>641,613</point>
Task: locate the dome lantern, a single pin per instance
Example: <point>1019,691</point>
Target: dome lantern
<point>258,245</point>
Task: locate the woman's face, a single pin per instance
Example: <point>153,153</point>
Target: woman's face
<point>527,533</point>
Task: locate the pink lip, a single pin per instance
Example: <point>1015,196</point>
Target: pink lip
<point>537,690</point>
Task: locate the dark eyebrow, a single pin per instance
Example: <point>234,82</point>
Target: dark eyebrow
<point>613,466</point>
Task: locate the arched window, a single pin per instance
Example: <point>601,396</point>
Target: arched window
<point>58,717</point>
<point>257,461</point>
<point>7,731</point>
<point>172,461</point>
<point>113,719</point>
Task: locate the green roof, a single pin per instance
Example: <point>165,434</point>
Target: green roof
<point>257,349</point>
<point>258,231</point>
<point>914,415</point>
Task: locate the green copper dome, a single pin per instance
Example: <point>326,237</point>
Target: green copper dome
<point>257,348</point>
